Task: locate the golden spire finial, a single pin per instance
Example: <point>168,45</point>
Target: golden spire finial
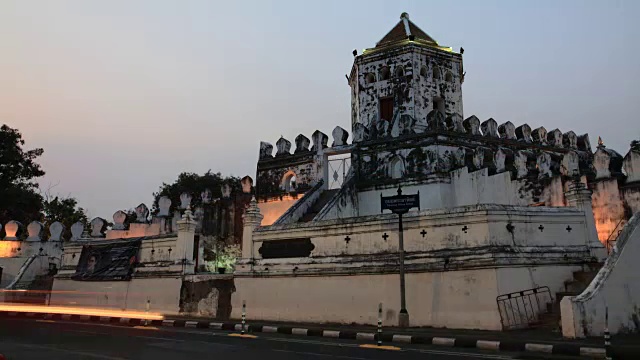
<point>600,142</point>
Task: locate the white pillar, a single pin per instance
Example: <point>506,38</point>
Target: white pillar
<point>251,220</point>
<point>186,238</point>
<point>579,196</point>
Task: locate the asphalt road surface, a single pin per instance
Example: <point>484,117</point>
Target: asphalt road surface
<point>40,339</point>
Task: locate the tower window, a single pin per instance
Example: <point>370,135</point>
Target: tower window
<point>386,108</point>
<point>436,73</point>
<point>289,182</point>
<point>424,71</point>
<point>396,168</point>
<point>385,74</point>
<point>370,78</point>
<point>448,77</point>
<point>399,71</point>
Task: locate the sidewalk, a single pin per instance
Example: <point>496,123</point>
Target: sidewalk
<point>535,340</point>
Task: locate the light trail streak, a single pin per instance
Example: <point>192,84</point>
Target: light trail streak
<point>63,310</point>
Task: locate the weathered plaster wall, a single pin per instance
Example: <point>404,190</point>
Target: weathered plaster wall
<point>344,204</point>
<point>301,206</point>
<point>207,295</point>
<point>135,230</point>
<point>10,268</point>
<point>456,259</point>
<point>512,279</point>
<point>453,229</point>
<point>274,208</point>
<point>163,294</point>
<point>452,299</point>
<point>411,83</point>
<point>631,194</point>
<point>461,188</point>
<point>157,276</point>
<point>14,254</point>
<point>433,299</point>
<point>608,208</point>
<point>616,287</point>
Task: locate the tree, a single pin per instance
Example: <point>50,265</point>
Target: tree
<point>194,185</point>
<point>64,210</point>
<point>19,199</point>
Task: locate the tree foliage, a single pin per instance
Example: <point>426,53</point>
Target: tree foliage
<point>20,197</point>
<point>64,210</point>
<point>194,185</point>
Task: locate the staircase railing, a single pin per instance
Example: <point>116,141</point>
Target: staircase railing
<point>296,211</point>
<point>521,309</point>
<point>611,242</point>
<point>21,272</point>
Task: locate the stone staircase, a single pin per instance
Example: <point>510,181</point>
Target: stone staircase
<point>581,279</point>
<point>324,198</point>
<point>34,292</point>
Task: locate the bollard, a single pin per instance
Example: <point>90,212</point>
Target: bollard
<point>380,324</point>
<point>146,310</point>
<point>244,315</point>
<point>607,337</point>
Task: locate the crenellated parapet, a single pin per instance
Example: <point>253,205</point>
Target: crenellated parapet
<point>631,163</point>
<point>287,173</point>
<point>631,188</point>
<point>607,162</point>
<point>448,144</point>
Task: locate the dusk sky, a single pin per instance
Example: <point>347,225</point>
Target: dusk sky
<point>123,95</point>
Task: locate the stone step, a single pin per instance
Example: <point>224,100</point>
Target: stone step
<point>584,277</point>
<point>317,206</point>
<point>561,294</point>
<point>548,321</point>
<point>574,286</point>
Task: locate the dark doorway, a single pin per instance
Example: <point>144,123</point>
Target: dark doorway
<point>438,104</point>
<point>196,251</point>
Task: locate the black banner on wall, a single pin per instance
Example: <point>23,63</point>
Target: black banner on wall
<point>107,262</point>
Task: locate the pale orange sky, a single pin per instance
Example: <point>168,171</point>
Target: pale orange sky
<point>124,95</point>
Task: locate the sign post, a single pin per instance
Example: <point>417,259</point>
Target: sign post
<point>400,204</point>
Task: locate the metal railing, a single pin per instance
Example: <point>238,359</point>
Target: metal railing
<point>611,242</point>
<point>338,168</point>
<point>521,309</point>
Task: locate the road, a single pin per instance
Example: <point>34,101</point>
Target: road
<point>40,339</point>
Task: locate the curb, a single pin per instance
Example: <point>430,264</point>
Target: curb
<point>460,342</point>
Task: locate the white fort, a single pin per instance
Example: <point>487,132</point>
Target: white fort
<point>516,227</point>
<point>503,209</point>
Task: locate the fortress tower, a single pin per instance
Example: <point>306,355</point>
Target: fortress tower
<point>404,80</point>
